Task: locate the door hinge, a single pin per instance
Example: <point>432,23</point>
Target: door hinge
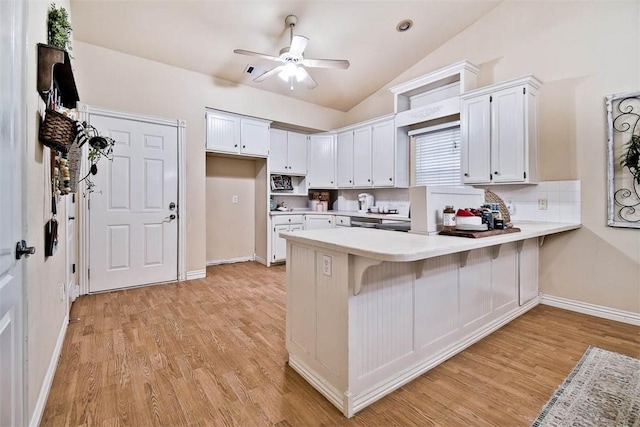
<point>490,98</point>
<point>524,175</point>
<point>490,177</point>
<point>73,268</point>
<point>524,90</point>
<point>274,229</point>
<point>88,273</point>
<point>88,204</point>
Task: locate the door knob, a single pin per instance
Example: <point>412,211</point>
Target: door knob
<point>170,218</point>
<point>23,249</point>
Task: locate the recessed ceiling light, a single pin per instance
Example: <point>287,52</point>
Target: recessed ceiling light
<point>404,25</point>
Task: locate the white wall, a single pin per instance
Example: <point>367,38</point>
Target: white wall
<point>110,79</point>
<point>582,51</point>
<point>45,311</point>
<point>230,226</point>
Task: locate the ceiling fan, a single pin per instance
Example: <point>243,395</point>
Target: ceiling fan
<point>293,68</point>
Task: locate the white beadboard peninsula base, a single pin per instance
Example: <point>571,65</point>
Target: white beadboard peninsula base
<point>359,328</point>
<point>350,405</point>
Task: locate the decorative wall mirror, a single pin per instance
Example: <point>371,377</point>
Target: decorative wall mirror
<point>623,158</point>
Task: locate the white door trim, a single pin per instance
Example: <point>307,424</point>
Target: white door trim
<point>84,111</point>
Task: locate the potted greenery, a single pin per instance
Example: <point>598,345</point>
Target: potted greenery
<point>58,27</point>
<point>631,159</point>
<point>98,147</point>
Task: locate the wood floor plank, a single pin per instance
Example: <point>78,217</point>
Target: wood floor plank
<point>211,352</point>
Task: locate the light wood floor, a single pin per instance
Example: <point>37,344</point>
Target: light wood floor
<point>212,352</point>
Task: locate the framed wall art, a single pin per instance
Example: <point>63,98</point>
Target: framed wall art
<point>623,158</point>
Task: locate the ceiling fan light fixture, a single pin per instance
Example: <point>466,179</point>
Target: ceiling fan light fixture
<point>289,70</point>
<point>300,74</point>
<point>404,25</point>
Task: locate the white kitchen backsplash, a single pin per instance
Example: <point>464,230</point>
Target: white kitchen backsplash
<point>394,198</point>
<point>562,200</point>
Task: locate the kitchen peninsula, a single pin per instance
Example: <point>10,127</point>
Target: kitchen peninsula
<point>370,310</point>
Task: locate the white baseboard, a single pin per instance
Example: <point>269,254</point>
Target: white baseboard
<point>196,274</point>
<point>592,309</point>
<point>36,416</point>
<point>231,260</point>
<point>261,260</point>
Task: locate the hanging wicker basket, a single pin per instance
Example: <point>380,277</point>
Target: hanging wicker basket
<point>57,131</point>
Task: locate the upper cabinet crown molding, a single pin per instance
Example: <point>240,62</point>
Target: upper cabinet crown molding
<point>530,80</point>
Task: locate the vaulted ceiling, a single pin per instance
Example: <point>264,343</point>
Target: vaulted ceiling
<point>201,36</point>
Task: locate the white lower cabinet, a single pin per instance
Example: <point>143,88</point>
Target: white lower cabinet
<point>357,325</point>
<point>318,222</point>
<point>281,224</point>
<point>341,221</point>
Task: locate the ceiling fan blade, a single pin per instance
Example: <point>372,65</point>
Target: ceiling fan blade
<point>326,63</point>
<point>259,55</point>
<point>306,78</point>
<point>298,45</point>
<point>272,72</point>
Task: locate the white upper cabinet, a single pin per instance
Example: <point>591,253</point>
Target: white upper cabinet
<point>373,154</point>
<point>345,159</point>
<point>288,152</point>
<point>362,157</point>
<point>476,134</point>
<point>297,150</point>
<point>500,133</point>
<point>384,153</point>
<point>321,170</point>
<point>278,154</point>
<point>229,133</point>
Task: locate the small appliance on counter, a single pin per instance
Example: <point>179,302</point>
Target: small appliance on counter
<point>365,202</point>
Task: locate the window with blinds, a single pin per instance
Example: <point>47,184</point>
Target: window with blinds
<point>437,157</point>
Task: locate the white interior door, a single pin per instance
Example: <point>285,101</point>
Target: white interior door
<point>71,248</point>
<point>12,145</point>
<point>133,211</point>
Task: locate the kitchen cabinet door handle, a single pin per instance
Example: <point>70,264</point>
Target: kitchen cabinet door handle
<point>368,180</point>
<point>496,173</point>
<point>390,179</point>
<point>244,146</point>
<point>236,145</point>
<point>466,174</point>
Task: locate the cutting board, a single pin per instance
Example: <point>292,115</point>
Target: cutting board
<point>478,234</point>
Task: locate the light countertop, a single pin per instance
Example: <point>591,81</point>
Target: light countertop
<point>353,214</point>
<point>396,246</point>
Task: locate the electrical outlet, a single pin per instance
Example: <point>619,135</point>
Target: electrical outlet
<point>542,204</point>
<point>326,265</point>
<point>511,207</point>
<point>234,199</point>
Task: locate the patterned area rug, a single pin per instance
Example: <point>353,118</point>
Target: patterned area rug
<point>602,390</point>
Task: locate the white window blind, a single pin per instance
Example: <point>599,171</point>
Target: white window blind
<point>437,157</point>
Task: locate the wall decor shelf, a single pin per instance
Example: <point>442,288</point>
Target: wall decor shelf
<point>55,74</point>
<point>434,95</point>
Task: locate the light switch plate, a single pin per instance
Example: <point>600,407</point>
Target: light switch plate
<point>326,265</point>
